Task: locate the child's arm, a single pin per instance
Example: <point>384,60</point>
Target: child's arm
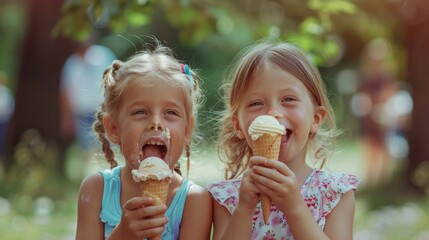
<point>221,218</point>
<point>339,222</point>
<point>89,225</point>
<point>197,215</point>
<point>239,224</point>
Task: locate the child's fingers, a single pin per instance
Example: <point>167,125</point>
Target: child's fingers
<point>149,211</point>
<point>152,232</point>
<point>248,191</point>
<point>153,222</point>
<point>264,187</point>
<point>138,202</point>
<point>256,160</point>
<point>270,163</point>
<point>152,226</point>
<point>266,175</point>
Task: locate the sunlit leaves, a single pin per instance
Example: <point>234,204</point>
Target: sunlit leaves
<point>332,6</point>
<point>311,23</point>
<point>74,22</point>
<point>137,19</point>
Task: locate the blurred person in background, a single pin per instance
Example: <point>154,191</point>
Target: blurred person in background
<point>82,93</point>
<point>371,104</point>
<point>7,106</point>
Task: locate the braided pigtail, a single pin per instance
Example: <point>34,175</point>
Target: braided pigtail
<point>188,158</point>
<point>109,81</point>
<point>98,127</point>
<point>111,74</point>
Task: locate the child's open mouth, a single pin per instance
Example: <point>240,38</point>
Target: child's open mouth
<point>155,144</point>
<point>286,137</point>
<point>155,147</point>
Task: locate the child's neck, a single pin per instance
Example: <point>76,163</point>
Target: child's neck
<point>302,170</point>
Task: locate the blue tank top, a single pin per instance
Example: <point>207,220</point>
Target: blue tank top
<point>111,210</point>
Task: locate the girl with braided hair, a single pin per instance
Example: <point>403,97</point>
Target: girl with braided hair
<point>149,108</point>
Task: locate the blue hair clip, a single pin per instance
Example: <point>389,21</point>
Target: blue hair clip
<point>185,70</point>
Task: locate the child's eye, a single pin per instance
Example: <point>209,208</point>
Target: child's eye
<point>288,99</point>
<point>255,104</point>
<point>172,112</point>
<point>138,112</point>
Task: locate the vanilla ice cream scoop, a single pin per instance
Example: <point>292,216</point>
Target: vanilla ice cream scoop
<point>152,168</point>
<point>265,124</point>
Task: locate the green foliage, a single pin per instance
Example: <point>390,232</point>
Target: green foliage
<point>194,25</point>
<point>74,21</point>
<point>332,6</point>
<point>196,22</point>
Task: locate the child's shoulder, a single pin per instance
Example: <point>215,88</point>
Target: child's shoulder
<point>91,188</point>
<point>92,181</point>
<point>197,191</point>
<point>226,192</point>
<point>198,201</point>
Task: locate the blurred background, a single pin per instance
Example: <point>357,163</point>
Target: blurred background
<point>373,56</point>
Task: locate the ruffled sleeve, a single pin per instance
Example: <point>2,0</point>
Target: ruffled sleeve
<point>332,187</point>
<point>225,192</point>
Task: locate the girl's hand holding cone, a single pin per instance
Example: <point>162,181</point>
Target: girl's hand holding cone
<point>275,180</point>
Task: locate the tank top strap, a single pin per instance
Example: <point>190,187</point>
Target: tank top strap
<point>111,210</point>
<point>175,211</point>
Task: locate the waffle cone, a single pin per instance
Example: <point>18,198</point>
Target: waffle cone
<point>158,191</point>
<point>267,146</point>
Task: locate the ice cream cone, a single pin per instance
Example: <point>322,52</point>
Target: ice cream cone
<point>158,191</point>
<point>268,145</point>
<point>154,177</point>
<point>155,189</point>
<point>266,133</point>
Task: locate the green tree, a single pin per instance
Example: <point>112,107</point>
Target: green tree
<point>321,27</point>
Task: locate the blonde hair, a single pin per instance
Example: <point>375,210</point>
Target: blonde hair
<point>248,62</point>
<point>143,67</point>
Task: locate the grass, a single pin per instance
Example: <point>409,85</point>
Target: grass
<point>386,212</point>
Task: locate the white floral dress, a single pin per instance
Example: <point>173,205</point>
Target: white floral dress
<point>321,192</point>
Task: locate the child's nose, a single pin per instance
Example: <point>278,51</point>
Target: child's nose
<point>275,113</point>
<point>156,125</point>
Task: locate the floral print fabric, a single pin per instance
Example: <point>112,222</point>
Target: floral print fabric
<point>321,192</point>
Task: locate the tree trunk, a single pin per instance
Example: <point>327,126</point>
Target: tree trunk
<point>42,57</point>
<point>418,72</point>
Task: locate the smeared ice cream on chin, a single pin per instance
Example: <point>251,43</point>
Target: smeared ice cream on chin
<point>151,168</point>
<point>265,124</point>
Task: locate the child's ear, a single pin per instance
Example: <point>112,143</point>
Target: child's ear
<point>111,129</point>
<point>237,127</point>
<point>318,119</point>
